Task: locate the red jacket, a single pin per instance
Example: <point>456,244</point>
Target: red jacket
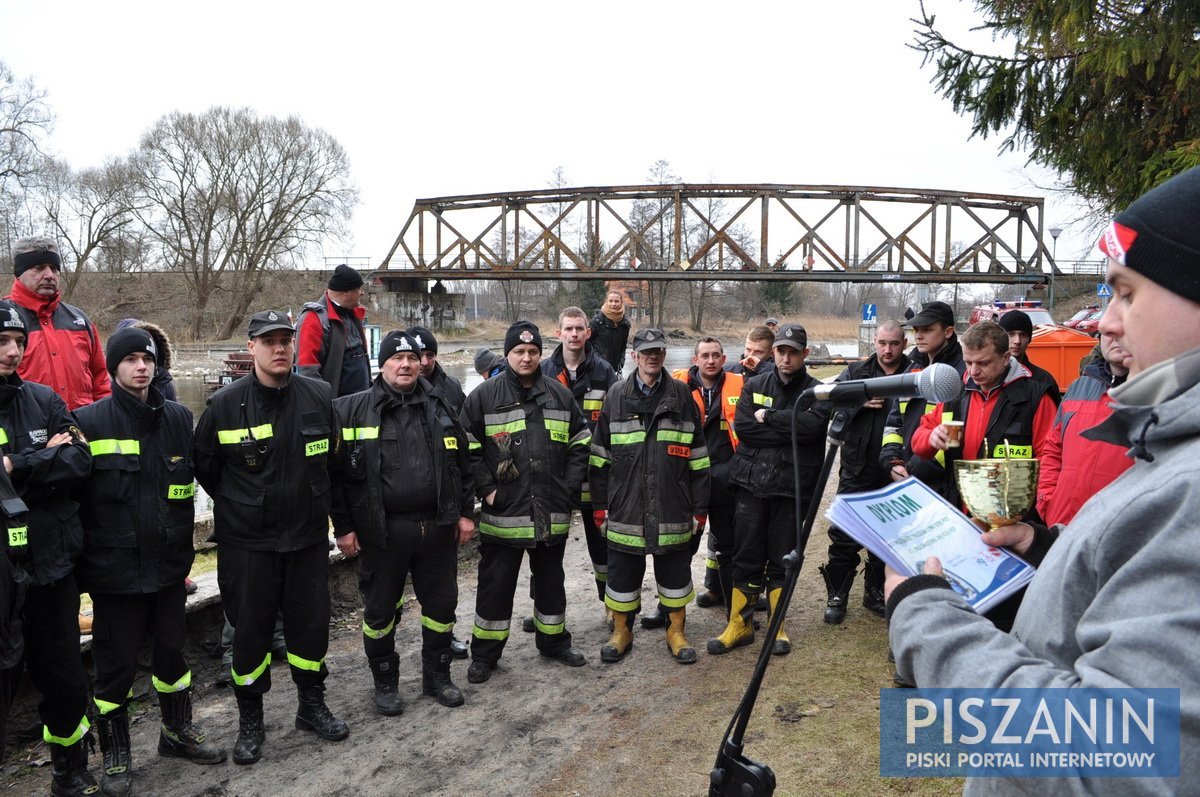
<point>1075,468</point>
<point>62,348</point>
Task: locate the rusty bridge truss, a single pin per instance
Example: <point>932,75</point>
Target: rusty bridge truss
<point>718,232</point>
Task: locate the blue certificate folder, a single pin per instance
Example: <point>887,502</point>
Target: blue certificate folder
<point>905,523</point>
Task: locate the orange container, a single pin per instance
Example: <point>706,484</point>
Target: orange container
<point>1059,350</point>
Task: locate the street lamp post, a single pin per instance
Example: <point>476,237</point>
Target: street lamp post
<point>1054,233</point>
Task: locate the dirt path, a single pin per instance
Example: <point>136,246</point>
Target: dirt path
<point>644,727</point>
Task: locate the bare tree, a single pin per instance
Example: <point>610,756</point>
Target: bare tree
<point>25,120</point>
<point>86,210</point>
<point>228,195</point>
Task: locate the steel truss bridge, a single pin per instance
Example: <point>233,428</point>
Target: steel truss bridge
<point>725,232</point>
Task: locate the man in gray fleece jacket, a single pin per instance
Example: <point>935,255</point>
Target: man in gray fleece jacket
<point>1113,603</point>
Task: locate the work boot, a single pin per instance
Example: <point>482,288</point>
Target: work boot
<point>480,671</point>
<point>621,640</point>
<point>681,649</point>
<point>386,674</point>
<point>740,630</point>
<point>655,618</point>
<point>69,776</point>
<point>839,596</point>
<point>435,679</point>
<point>608,618</point>
<point>458,649</point>
<point>782,645</point>
<point>113,730</point>
<point>873,587</point>
<point>178,737</point>
<point>873,600</point>
<point>708,599</point>
<point>528,625</point>
<point>760,604</point>
<point>251,733</point>
<point>313,715</point>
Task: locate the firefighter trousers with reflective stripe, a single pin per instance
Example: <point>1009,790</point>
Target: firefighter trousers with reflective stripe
<point>720,543</point>
<point>499,566</point>
<point>119,625</point>
<point>255,586</point>
<point>597,548</point>
<point>764,532</point>
<point>50,623</point>
<point>427,551</point>
<point>672,576</point>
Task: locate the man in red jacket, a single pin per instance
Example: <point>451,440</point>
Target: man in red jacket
<point>63,350</point>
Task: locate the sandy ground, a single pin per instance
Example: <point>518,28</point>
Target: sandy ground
<point>520,733</point>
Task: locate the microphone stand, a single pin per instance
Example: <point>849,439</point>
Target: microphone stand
<point>734,775</point>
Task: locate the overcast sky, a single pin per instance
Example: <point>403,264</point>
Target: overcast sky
<point>474,97</point>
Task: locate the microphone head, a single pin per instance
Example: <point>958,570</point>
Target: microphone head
<point>939,383</point>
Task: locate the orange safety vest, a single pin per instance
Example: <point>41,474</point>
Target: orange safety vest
<point>731,390</point>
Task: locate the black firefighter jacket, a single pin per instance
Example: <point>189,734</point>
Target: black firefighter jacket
<point>264,455</point>
<point>905,416</point>
<point>138,509</point>
<point>860,468</point>
<point>358,501</point>
<point>547,439</point>
<point>30,415</point>
<point>650,467</point>
<point>763,463</point>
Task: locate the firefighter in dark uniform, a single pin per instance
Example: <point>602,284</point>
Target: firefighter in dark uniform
<point>46,457</point>
<point>529,451</point>
<point>578,366</point>
<point>860,471</point>
<point>716,393</point>
<point>263,450</point>
<point>763,471</point>
<point>402,498</point>
<point>141,492</point>
<point>937,342</point>
<point>432,372</point>
<point>650,483</point>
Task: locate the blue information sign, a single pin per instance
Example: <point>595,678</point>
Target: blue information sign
<point>1103,291</point>
<point>869,312</point>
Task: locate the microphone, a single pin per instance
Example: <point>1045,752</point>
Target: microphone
<point>938,383</point>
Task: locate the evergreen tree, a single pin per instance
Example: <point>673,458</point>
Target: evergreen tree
<point>1102,93</point>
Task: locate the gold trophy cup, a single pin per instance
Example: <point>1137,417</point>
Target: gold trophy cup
<point>999,491</point>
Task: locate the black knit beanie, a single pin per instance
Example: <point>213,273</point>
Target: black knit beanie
<point>424,337</point>
<point>345,279</point>
<point>126,342</point>
<point>1158,235</point>
<point>27,260</point>
<point>522,332</point>
<point>1016,321</point>
<point>10,318</point>
<point>397,341</point>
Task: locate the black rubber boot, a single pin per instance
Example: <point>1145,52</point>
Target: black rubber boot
<point>480,671</point>
<point>178,737</point>
<point>873,587</point>
<point>655,618</point>
<point>313,715</point>
<point>251,733</point>
<point>435,679</point>
<point>113,730</point>
<point>69,776</point>
<point>459,649</point>
<point>835,606</point>
<point>385,670</point>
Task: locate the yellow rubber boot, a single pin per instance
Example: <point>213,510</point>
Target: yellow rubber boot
<point>740,630</point>
<point>621,640</point>
<point>681,649</point>
<point>782,645</point>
